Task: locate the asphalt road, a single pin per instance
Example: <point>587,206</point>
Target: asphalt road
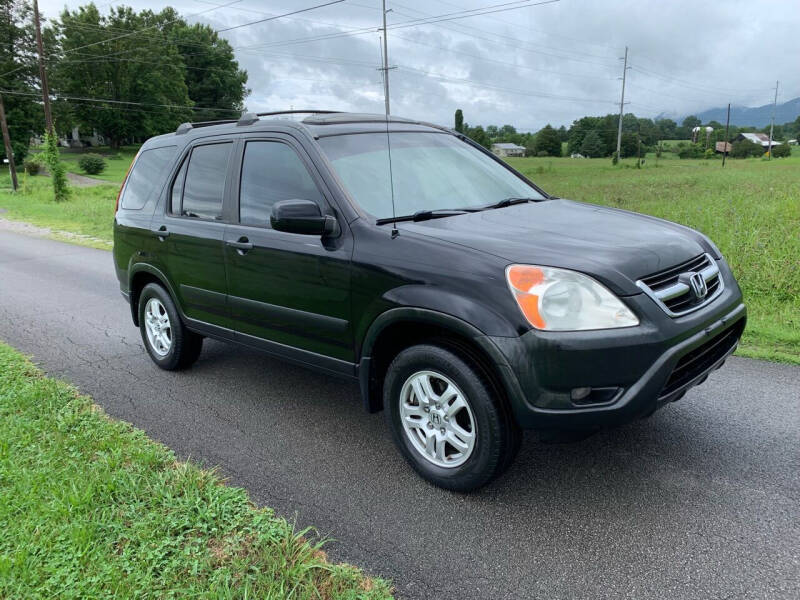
<point>700,501</point>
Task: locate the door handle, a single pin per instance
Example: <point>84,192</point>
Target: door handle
<point>161,232</point>
<point>242,245</point>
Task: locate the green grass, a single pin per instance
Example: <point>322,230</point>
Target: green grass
<point>751,209</point>
<point>116,167</point>
<point>91,508</point>
<point>89,211</point>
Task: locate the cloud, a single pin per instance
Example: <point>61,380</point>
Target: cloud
<point>538,65</point>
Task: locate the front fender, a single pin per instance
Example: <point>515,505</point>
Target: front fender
<point>441,320</point>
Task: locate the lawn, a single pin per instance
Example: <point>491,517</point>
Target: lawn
<point>91,508</point>
<point>117,163</point>
<point>751,209</point>
<point>89,212</point>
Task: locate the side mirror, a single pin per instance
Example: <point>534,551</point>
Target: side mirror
<point>302,216</point>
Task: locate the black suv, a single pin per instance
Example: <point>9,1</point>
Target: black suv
<point>467,302</point>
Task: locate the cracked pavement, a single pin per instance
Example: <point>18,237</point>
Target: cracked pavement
<point>700,501</point>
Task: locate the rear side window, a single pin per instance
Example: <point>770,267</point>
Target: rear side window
<point>272,171</point>
<point>202,178</point>
<point>146,174</point>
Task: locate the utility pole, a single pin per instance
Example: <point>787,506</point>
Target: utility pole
<point>7,142</point>
<point>48,116</point>
<point>622,102</point>
<point>385,62</point>
<point>727,125</point>
<point>772,120</point>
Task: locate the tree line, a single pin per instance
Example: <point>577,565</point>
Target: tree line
<point>596,137</point>
<point>150,70</point>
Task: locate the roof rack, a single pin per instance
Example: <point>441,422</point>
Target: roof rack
<point>187,127</point>
<point>250,118</point>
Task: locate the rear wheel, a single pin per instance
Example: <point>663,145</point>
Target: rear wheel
<point>446,419</point>
<point>166,339</point>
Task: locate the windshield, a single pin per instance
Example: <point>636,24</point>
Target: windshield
<point>430,171</point>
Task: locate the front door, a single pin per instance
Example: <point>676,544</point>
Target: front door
<point>288,293</point>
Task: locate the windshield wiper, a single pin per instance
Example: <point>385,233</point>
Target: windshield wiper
<point>424,215</point>
<point>509,202</point>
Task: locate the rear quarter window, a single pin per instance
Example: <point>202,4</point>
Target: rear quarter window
<point>146,177</point>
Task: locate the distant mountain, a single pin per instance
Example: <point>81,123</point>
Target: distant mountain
<point>758,116</point>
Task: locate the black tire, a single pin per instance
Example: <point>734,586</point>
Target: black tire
<point>185,345</point>
<point>497,437</point>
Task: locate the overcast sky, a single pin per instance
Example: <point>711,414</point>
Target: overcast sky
<point>551,63</point>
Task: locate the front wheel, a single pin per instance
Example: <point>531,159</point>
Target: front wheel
<point>168,342</point>
<point>446,419</point>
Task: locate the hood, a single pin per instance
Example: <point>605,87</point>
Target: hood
<point>615,246</point>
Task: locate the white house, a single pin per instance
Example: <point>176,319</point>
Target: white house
<point>505,149</point>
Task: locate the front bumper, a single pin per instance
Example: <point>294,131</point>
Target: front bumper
<point>649,365</point>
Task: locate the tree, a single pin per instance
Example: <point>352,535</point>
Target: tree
<point>690,122</point>
<point>628,145</point>
<point>459,121</point>
<point>212,75</point>
<point>477,135</point>
<point>547,140</point>
<point>667,129</point>
<point>142,75</point>
<point>18,64</point>
<point>592,145</point>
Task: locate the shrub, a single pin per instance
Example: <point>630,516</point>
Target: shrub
<point>542,153</point>
<point>32,165</point>
<point>690,151</point>
<point>92,164</point>
<point>746,149</point>
<point>709,154</point>
<point>58,173</point>
<point>781,151</point>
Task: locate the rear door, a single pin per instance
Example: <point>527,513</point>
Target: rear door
<point>288,293</point>
<point>192,230</point>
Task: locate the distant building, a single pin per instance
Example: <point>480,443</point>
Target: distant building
<point>762,139</point>
<point>792,142</point>
<point>504,149</point>
<point>723,147</point>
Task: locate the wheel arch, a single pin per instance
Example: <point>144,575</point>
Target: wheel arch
<point>140,275</point>
<point>399,328</point>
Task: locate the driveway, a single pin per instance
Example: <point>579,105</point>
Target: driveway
<point>700,501</point>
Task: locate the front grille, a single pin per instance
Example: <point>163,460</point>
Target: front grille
<point>671,288</point>
<point>702,359</point>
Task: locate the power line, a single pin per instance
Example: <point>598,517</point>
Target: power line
<point>501,62</point>
<point>296,12</point>
<point>157,25</point>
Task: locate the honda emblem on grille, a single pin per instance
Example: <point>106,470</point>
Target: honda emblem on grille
<point>698,286</point>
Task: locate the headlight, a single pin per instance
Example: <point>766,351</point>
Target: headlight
<point>561,300</point>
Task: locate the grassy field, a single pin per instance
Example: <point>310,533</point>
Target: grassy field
<point>751,209</point>
<point>91,508</point>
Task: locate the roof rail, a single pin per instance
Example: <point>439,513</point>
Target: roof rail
<point>248,118</point>
<point>187,127</point>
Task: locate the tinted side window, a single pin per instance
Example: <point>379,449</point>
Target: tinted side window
<point>145,175</point>
<point>177,190</point>
<point>205,181</point>
<point>272,171</point>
